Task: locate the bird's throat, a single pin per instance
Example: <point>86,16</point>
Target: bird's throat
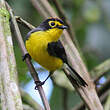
<point>54,34</point>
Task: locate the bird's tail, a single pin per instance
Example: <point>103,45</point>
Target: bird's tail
<point>76,76</point>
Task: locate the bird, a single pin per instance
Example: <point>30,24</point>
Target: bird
<point>43,45</point>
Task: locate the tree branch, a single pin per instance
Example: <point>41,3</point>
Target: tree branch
<point>39,7</point>
<point>100,70</point>
<point>24,23</point>
<point>97,73</point>
<point>10,96</point>
<point>28,62</point>
<point>101,93</point>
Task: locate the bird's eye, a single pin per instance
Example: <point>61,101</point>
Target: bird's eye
<point>52,24</point>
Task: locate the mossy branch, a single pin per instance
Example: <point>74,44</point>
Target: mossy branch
<point>10,95</point>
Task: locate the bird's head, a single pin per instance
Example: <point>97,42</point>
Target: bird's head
<point>51,27</point>
<point>52,23</point>
<point>54,27</point>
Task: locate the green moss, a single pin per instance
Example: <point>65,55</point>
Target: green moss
<point>5,16</point>
<point>5,20</point>
<point>4,13</point>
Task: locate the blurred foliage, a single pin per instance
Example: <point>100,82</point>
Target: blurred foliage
<point>57,98</point>
<point>83,14</point>
<point>91,11</point>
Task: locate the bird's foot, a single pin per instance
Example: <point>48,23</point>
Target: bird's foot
<point>38,83</point>
<point>25,56</point>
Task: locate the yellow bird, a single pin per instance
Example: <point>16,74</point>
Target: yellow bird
<point>43,45</point>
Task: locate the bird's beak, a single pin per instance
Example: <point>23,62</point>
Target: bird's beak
<point>63,27</point>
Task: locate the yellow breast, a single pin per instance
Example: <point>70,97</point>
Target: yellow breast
<point>36,46</point>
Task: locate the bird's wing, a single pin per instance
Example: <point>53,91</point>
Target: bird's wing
<point>32,31</point>
<point>56,49</point>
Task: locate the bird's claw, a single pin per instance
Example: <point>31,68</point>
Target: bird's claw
<point>38,83</point>
<point>25,56</point>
